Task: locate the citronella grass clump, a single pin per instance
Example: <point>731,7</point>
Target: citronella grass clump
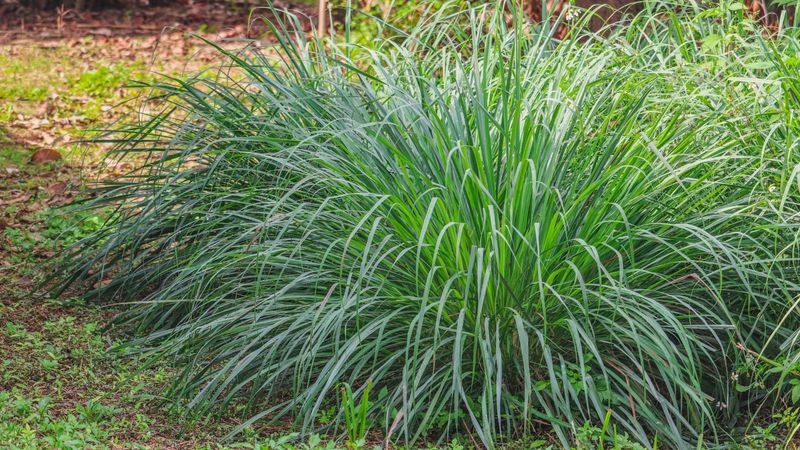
<point>501,231</point>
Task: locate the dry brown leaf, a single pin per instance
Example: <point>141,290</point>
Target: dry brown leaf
<point>48,138</point>
<point>44,155</point>
<point>57,188</point>
<point>19,198</point>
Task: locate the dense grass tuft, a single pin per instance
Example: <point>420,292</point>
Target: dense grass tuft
<point>501,231</point>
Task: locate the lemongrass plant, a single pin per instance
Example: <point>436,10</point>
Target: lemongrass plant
<point>503,232</point>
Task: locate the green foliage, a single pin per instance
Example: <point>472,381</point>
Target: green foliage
<point>21,93</point>
<point>25,424</point>
<point>27,419</point>
<point>498,228</point>
<point>62,229</point>
<point>366,23</point>
<point>355,414</point>
<point>70,228</point>
<point>10,152</point>
<point>103,80</point>
<point>40,406</point>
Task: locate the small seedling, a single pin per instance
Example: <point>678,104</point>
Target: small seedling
<point>355,415</point>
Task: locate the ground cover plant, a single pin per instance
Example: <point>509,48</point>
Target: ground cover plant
<point>492,232</point>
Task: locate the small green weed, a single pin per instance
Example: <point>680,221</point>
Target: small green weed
<point>33,93</point>
<point>355,415</point>
<point>105,79</point>
<point>67,228</point>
